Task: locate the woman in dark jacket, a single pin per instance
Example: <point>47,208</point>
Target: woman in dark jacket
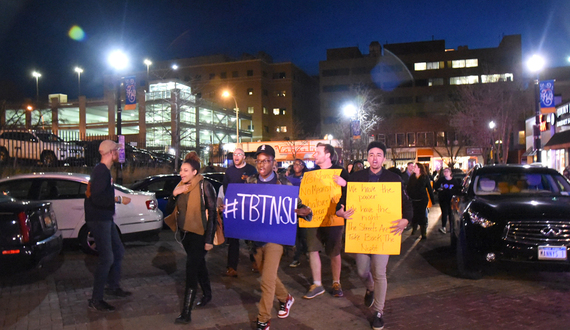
<point>446,186</point>
<point>418,189</point>
<point>194,222</point>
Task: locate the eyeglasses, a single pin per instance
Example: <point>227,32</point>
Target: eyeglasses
<point>298,164</point>
<point>263,162</point>
<point>239,154</point>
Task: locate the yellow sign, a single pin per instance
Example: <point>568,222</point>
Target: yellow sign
<point>376,205</point>
<point>319,191</point>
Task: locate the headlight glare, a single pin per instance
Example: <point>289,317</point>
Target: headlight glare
<point>480,220</point>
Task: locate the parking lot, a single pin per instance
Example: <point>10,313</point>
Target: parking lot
<point>424,292</point>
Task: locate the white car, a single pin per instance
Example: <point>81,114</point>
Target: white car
<point>66,192</point>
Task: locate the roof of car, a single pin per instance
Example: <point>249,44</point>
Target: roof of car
<point>498,168</point>
<point>50,175</point>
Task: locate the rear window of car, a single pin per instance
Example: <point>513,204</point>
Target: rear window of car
<point>19,189</point>
<point>520,183</point>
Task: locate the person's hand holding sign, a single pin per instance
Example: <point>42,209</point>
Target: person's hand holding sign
<point>340,181</point>
<point>303,211</point>
<point>399,226</point>
<point>344,214</point>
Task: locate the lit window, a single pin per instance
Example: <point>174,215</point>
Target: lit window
<point>464,80</point>
<point>434,65</point>
<point>490,78</point>
<point>281,129</point>
<point>458,64</point>
<point>250,91</point>
<point>280,93</point>
<point>420,66</point>
<point>435,82</point>
<point>276,111</point>
<point>249,109</point>
<point>265,112</point>
<point>472,63</point>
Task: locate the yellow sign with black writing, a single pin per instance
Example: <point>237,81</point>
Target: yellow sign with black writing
<point>319,191</point>
<point>376,205</point>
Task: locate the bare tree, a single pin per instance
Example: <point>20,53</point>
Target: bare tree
<point>476,106</point>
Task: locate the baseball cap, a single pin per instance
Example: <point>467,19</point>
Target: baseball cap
<point>108,145</point>
<point>266,149</point>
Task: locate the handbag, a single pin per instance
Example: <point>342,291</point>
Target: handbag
<point>219,237</point>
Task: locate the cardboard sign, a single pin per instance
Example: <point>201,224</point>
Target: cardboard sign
<point>319,192</point>
<point>261,212</point>
<point>376,205</point>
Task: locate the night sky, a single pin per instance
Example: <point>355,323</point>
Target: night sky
<point>34,34</point>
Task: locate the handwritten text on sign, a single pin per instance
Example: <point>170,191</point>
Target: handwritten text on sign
<point>319,192</point>
<point>261,212</point>
<point>376,205</point>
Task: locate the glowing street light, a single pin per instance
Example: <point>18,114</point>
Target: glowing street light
<point>119,61</point>
<point>536,64</point>
<point>37,75</point>
<point>492,124</point>
<point>227,94</point>
<point>148,63</point>
<point>79,72</point>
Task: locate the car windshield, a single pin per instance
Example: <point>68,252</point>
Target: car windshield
<point>48,137</point>
<point>520,183</point>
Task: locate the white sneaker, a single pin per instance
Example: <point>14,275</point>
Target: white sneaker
<point>442,230</point>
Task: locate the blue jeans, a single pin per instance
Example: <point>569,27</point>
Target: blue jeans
<point>111,251</point>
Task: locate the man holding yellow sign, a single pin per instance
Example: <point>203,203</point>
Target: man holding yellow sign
<point>377,209</point>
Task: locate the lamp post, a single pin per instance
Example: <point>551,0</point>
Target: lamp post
<point>535,64</point>
<point>227,94</point>
<point>118,61</point>
<point>37,75</point>
<point>492,126</point>
<point>79,72</point>
<point>351,112</point>
<point>148,63</point>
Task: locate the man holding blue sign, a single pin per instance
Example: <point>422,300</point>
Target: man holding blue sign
<point>267,210</point>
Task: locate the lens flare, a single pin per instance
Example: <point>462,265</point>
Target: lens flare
<point>76,33</point>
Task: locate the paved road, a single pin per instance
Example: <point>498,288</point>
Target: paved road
<point>424,293</point>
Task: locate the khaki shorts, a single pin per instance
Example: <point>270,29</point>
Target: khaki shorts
<point>329,237</point>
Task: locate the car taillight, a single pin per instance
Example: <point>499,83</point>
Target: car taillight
<point>25,226</point>
<point>151,205</point>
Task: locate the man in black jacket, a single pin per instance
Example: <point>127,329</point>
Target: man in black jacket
<point>99,211</point>
<point>375,280</point>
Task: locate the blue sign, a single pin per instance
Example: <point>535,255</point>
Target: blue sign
<point>130,93</point>
<point>547,94</point>
<point>261,212</point>
<point>355,128</point>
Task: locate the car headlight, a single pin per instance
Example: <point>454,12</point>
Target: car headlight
<point>480,220</point>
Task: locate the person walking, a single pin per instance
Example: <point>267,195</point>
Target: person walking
<point>446,186</point>
<point>372,267</point>
<point>237,173</point>
<point>299,168</point>
<point>268,255</point>
<point>420,191</point>
<point>194,221</point>
<point>329,237</point>
<point>99,207</point>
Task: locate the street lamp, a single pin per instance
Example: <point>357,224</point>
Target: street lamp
<point>535,64</point>
<point>492,126</point>
<point>37,75</point>
<point>227,94</point>
<point>351,111</point>
<point>148,63</point>
<point>79,72</point>
<point>119,61</point>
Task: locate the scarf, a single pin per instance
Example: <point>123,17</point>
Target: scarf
<point>191,220</point>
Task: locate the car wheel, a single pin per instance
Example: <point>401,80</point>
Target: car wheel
<point>467,266</point>
<point>4,157</point>
<point>87,241</point>
<point>49,159</point>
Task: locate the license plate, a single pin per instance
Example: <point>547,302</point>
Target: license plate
<point>551,253</point>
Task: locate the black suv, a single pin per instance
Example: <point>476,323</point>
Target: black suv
<point>511,212</point>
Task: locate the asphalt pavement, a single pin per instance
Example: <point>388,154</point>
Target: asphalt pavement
<point>424,292</point>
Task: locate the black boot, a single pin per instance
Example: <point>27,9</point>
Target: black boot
<point>206,291</point>
<point>185,316</point>
<point>424,231</point>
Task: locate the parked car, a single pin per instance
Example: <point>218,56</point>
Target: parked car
<point>511,213</point>
<point>29,235</point>
<point>163,185</point>
<point>66,192</point>
<point>44,147</point>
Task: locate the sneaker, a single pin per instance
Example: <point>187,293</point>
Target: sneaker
<point>231,272</point>
<point>117,293</point>
<point>314,291</point>
<point>368,298</point>
<point>100,306</point>
<point>442,230</point>
<point>337,290</point>
<point>263,325</point>
<point>284,307</point>
<point>378,323</point>
<point>295,264</point>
